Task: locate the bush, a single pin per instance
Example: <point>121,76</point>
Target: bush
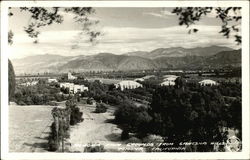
<point>135,118</point>
<point>53,145</point>
<point>94,148</point>
<point>100,108</point>
<point>52,103</point>
<point>76,115</point>
<point>153,139</point>
<point>90,101</point>
<point>134,140</point>
<point>125,135</point>
<point>21,103</point>
<point>12,81</point>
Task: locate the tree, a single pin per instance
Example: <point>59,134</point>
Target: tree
<point>41,17</point>
<point>132,118</point>
<point>12,81</point>
<point>230,18</point>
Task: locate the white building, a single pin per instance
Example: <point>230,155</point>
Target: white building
<point>32,83</point>
<point>145,78</point>
<point>127,85</point>
<point>208,82</point>
<point>50,80</point>
<point>139,79</point>
<point>171,79</point>
<point>74,88</point>
<point>148,77</point>
<point>169,75</point>
<point>70,77</point>
<point>80,88</point>
<point>167,83</point>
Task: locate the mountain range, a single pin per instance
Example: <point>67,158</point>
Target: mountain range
<point>167,58</point>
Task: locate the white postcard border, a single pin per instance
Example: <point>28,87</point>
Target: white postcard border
<point>215,155</point>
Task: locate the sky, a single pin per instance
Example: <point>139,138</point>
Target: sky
<point>123,30</point>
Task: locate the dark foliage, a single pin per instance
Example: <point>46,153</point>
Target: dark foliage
<point>132,118</point>
<point>195,114</point>
<point>94,148</point>
<point>230,22</point>
<point>52,142</point>
<point>12,81</point>
<point>100,108</point>
<point>40,94</point>
<point>125,134</point>
<point>75,115</point>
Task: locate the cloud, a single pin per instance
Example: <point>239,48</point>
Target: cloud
<point>164,13</point>
<point>119,40</point>
<point>155,14</point>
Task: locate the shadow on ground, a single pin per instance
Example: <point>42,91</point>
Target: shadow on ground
<point>42,145</point>
<point>114,137</point>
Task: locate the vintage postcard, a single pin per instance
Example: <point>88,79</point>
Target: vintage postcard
<point>125,80</point>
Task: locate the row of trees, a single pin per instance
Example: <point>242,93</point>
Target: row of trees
<point>63,118</point>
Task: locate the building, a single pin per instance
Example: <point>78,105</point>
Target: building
<point>71,77</point>
<point>80,88</point>
<point>50,80</point>
<point>74,88</point>
<point>171,79</point>
<point>145,78</point>
<point>169,75</point>
<point>148,77</point>
<point>139,79</point>
<point>167,83</point>
<point>32,83</point>
<point>208,82</point>
<point>127,85</point>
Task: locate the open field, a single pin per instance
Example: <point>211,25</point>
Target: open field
<point>29,128</point>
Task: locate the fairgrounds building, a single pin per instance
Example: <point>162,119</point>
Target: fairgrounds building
<point>126,84</point>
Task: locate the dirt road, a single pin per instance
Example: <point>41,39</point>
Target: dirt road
<point>95,129</point>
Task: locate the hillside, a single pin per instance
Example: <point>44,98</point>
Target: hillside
<point>180,52</point>
<point>109,61</point>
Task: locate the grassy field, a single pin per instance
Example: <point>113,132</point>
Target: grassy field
<point>29,128</point>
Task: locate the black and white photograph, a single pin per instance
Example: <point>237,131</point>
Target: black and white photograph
<point>121,79</point>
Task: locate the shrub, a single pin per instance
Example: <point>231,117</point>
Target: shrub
<point>125,135</point>
<point>135,118</point>
<point>52,103</point>
<point>90,101</point>
<point>100,108</point>
<point>153,139</point>
<point>134,140</point>
<point>53,145</point>
<point>76,115</point>
<point>12,81</point>
<point>94,148</point>
<point>21,103</point>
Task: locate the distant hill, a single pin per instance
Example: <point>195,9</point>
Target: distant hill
<point>181,52</point>
<point>125,62</point>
